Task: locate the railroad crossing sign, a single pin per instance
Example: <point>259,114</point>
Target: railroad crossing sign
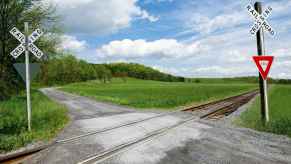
<point>264,64</point>
<point>260,20</point>
<point>31,39</point>
<point>26,45</point>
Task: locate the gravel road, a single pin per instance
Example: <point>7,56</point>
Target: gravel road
<point>193,142</point>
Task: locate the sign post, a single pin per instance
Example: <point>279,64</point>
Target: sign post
<point>260,24</point>
<point>27,45</point>
<point>27,77</point>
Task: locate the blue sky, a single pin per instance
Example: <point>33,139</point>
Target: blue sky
<point>192,38</point>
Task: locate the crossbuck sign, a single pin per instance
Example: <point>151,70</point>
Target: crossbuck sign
<point>260,20</point>
<point>26,45</point>
<point>31,39</point>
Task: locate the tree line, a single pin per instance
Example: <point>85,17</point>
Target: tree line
<point>141,72</point>
<point>66,69</point>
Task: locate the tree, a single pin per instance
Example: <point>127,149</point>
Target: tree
<point>13,13</point>
<point>103,73</point>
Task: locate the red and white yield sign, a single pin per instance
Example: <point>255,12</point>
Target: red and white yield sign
<point>264,64</point>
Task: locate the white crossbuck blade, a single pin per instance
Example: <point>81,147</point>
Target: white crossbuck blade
<point>18,50</point>
<point>31,39</point>
<point>37,52</point>
<point>260,20</point>
<point>18,35</point>
<point>35,35</point>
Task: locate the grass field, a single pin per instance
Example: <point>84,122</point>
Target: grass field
<point>154,94</point>
<point>47,119</point>
<point>280,112</point>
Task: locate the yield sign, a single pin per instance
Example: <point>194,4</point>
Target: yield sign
<point>264,64</point>
<point>20,68</point>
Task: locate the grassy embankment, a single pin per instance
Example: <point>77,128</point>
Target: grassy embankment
<point>280,112</point>
<point>47,119</point>
<point>154,94</point>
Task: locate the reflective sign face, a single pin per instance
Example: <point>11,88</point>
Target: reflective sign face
<point>18,51</point>
<point>260,20</point>
<point>18,35</point>
<point>264,64</point>
<point>31,47</point>
<point>35,35</point>
<point>37,52</point>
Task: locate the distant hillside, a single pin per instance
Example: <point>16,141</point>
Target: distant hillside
<point>68,69</point>
<point>225,80</point>
<point>250,79</point>
<point>141,72</point>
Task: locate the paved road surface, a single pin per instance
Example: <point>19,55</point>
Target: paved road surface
<point>192,142</point>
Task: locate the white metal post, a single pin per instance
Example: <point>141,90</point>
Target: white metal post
<point>27,77</point>
<point>266,100</point>
<point>265,84</point>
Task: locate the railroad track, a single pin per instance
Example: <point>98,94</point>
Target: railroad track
<point>102,156</point>
<point>218,109</point>
<point>211,111</point>
<point>221,108</point>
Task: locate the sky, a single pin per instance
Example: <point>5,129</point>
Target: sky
<point>191,38</point>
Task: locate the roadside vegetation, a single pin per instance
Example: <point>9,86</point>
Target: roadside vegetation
<point>155,94</point>
<point>280,112</point>
<point>48,118</point>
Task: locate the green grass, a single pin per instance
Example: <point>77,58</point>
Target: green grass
<point>280,112</point>
<point>154,94</point>
<point>47,119</point>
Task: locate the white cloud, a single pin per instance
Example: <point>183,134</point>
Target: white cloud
<point>71,43</point>
<point>205,24</point>
<point>225,54</point>
<point>281,68</point>
<point>280,7</point>
<point>158,49</point>
<point>145,15</point>
<point>282,52</point>
<point>222,47</point>
<point>99,17</point>
<point>224,71</point>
